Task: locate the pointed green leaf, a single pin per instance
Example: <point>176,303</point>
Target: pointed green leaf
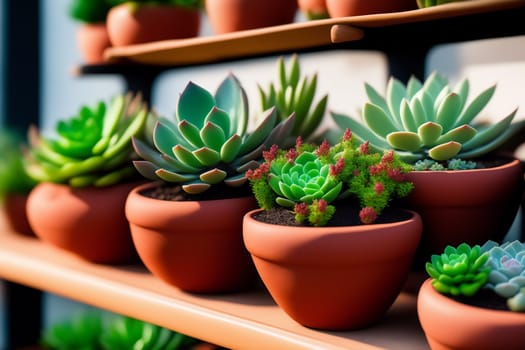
<point>213,176</point>
<point>221,119</point>
<point>448,112</point>
<point>212,136</point>
<point>404,140</point>
<point>490,133</point>
<point>113,115</point>
<point>170,176</point>
<point>194,104</point>
<point>191,133</point>
<point>261,132</point>
<point>207,156</point>
<point>418,111</point>
<point>407,118</point>
<point>395,94</point>
<point>375,97</point>
<point>358,130</point>
<point>445,151</point>
<point>476,106</point>
<point>184,155</point>
<point>378,120</point>
<point>429,133</point>
<point>314,119</point>
<point>461,134</point>
<point>195,187</point>
<point>146,169</point>
<point>412,87</point>
<point>137,123</point>
<point>230,149</point>
<point>231,98</point>
<point>236,181</point>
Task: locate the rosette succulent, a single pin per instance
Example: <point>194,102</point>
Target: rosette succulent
<point>295,93</point>
<point>309,178</point>
<point>465,270</point>
<point>92,148</point>
<point>429,121</point>
<point>208,143</point>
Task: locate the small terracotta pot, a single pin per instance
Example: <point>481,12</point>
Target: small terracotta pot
<point>92,40</point>
<point>450,325</point>
<point>313,9</point>
<point>88,222</point>
<point>15,211</point>
<point>334,278</point>
<point>345,8</point>
<point>195,246</point>
<point>469,206</point>
<point>227,16</point>
<point>130,24</point>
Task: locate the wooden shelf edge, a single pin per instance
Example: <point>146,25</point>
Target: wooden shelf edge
<point>248,320</point>
<point>288,37</point>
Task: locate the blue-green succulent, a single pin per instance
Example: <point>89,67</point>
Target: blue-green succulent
<point>92,148</point>
<point>429,120</point>
<point>208,142</point>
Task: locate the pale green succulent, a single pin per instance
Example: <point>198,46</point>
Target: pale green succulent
<point>208,143</point>
<point>459,271</point>
<point>507,275</point>
<point>295,94</point>
<point>429,120</point>
<point>429,3</point>
<point>92,148</point>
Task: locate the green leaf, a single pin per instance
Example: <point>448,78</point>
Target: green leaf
<point>429,133</point>
<point>231,98</point>
<point>378,120</point>
<point>407,118</point>
<point>191,133</point>
<point>195,187</point>
<point>476,106</point>
<point>460,134</point>
<point>445,151</point>
<point>395,94</point>
<point>137,123</point>
<point>404,140</point>
<point>221,119</point>
<point>448,112</point>
<point>186,156</point>
<point>261,132</point>
<point>358,130</point>
<point>207,156</point>
<point>173,177</point>
<point>194,104</point>
<point>113,115</point>
<point>230,149</point>
<point>212,136</point>
<point>213,176</point>
<point>490,133</point>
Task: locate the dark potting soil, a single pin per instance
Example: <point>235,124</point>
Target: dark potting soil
<point>484,298</point>
<point>169,192</point>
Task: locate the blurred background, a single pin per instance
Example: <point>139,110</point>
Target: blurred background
<point>40,84</point>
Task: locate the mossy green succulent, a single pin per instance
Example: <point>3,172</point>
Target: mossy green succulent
<point>429,120</point>
<point>208,143</point>
<point>295,93</point>
<point>309,178</point>
<point>430,3</point>
<point>92,148</point>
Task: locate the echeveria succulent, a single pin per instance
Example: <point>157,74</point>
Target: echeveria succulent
<point>208,143</point>
<point>295,94</point>
<point>92,148</point>
<point>429,120</point>
<point>309,177</point>
<point>459,271</point>
<point>507,275</point>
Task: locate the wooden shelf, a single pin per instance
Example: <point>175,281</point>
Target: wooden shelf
<point>458,21</point>
<point>248,320</point>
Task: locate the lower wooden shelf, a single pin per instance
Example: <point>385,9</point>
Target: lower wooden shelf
<point>242,320</point>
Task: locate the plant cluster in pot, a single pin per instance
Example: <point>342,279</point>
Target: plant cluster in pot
<point>187,222</point>
<point>475,297</point>
<point>345,8</point>
<point>313,9</point>
<point>465,189</point>
<point>142,21</point>
<point>92,35</point>
<point>326,268</point>
<point>15,184</point>
<point>430,3</point>
<point>228,16</point>
<point>84,173</point>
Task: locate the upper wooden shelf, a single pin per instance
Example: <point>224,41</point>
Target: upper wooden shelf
<point>249,320</point>
<point>458,21</point>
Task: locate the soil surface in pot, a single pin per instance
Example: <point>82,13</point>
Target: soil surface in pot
<point>169,192</point>
<point>484,298</point>
<point>346,214</point>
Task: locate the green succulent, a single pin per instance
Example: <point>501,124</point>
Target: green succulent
<point>89,11</point>
<point>460,270</point>
<point>92,148</point>
<point>429,3</point>
<point>208,143</point>
<point>81,332</point>
<point>507,275</point>
<point>429,120</point>
<point>13,177</point>
<point>308,178</point>
<point>129,333</point>
<point>295,94</point>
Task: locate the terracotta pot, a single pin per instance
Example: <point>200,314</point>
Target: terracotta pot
<point>227,16</point>
<point>15,211</point>
<point>449,324</point>
<point>345,8</point>
<point>313,9</point>
<point>88,222</point>
<point>470,206</point>
<point>130,23</point>
<point>92,40</point>
<point>195,246</point>
<point>333,278</point>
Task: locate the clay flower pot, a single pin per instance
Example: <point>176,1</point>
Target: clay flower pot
<point>333,278</point>
<point>344,8</point>
<point>92,40</point>
<point>195,246</point>
<point>14,207</point>
<point>449,324</point>
<point>132,23</point>
<point>88,222</point>
<point>233,15</point>
<point>470,206</point>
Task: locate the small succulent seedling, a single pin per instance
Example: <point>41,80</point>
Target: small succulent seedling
<point>92,148</point>
<point>429,121</point>
<point>295,93</point>
<point>309,178</point>
<point>464,270</point>
<point>208,143</point>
